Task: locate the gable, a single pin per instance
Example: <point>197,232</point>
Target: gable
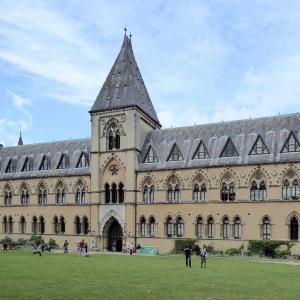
<point>291,144</point>
<point>229,149</point>
<point>201,151</point>
<point>175,154</point>
<point>151,156</point>
<point>259,147</point>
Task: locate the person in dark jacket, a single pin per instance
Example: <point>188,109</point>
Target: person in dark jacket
<point>188,256</point>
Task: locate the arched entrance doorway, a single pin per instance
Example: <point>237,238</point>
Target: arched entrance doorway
<point>113,233</point>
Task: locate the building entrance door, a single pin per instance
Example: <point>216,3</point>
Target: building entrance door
<point>114,237</point>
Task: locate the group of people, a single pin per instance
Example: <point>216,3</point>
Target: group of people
<point>202,252</point>
<point>83,247</point>
<point>41,247</point>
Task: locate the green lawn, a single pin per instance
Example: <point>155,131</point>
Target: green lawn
<point>59,276</point>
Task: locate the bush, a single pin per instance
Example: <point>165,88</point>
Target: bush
<point>233,251</point>
<point>210,249</point>
<point>6,240</point>
<point>52,244</point>
<point>266,248</point>
<point>282,253</point>
<point>22,241</point>
<point>180,244</point>
<point>35,240</point>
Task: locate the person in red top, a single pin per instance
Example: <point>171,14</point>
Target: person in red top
<point>82,247</point>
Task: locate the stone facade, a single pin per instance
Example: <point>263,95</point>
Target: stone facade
<point>132,182</point>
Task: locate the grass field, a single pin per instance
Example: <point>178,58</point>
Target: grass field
<point>59,276</point>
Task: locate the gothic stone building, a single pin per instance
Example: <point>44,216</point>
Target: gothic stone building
<point>133,182</point>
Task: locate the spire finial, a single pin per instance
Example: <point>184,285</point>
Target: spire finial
<point>130,35</point>
<point>125,29</point>
<point>20,141</point>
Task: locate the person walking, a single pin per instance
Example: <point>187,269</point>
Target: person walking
<point>188,256</point>
<point>5,247</point>
<point>203,256</point>
<point>38,250</point>
<point>66,245</point>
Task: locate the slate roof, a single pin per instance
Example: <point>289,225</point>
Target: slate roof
<point>273,130</point>
<point>35,153</point>
<point>124,86</point>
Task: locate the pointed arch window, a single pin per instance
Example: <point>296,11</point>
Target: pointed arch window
<point>143,226</point>
<point>85,225</point>
<point>258,191</point>
<point>291,189</point>
<point>83,161</point>
<point>201,152</point>
<point>7,196</point>
<point>173,193</point>
<point>210,228</point>
<point>107,193</point>
<point>60,194</point>
<point>41,225</point>
<point>42,195</point>
<point>152,230</point>
<point>113,137</point>
<point>291,144</point>
<point>179,227</point>
<point>114,193</point>
<point>175,154</point>
<point>27,166</point>
<point>22,224</point>
<point>148,193</point>
<point>199,228</point>
<point>34,225</point>
<point>45,164</point>
<point>229,149</point>
<point>266,228</point>
<point>259,147</point>
<point>63,163</point>
<point>225,228</point>
<point>237,227</point>
<point>62,225</point>
<point>77,224</point>
<point>151,156</point>
<point>8,224</point>
<point>55,225</point>
<point>169,227</point>
<point>25,198</point>
<point>80,193</point>
<point>121,193</point>
<point>199,192</point>
<point>294,229</point>
<point>227,192</point>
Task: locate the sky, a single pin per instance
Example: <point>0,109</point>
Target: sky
<point>202,61</point>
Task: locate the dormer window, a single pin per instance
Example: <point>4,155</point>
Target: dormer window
<point>175,154</point>
<point>45,164</point>
<point>151,156</point>
<point>229,149</point>
<point>259,147</point>
<point>27,165</point>
<point>201,152</point>
<point>63,162</point>
<point>291,144</point>
<point>83,161</point>
<point>10,167</point>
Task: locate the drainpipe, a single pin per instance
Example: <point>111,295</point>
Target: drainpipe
<point>135,209</point>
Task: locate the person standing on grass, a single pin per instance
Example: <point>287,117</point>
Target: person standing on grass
<point>81,247</point>
<point>188,256</point>
<point>203,256</point>
<point>66,245</point>
<point>5,247</point>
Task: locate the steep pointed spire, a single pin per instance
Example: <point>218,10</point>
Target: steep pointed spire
<point>20,141</point>
<point>124,85</point>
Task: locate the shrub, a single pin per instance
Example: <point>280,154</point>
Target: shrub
<point>6,240</point>
<point>210,249</point>
<point>180,244</point>
<point>282,253</point>
<point>22,241</point>
<point>233,251</point>
<point>52,243</point>
<point>35,240</point>
<point>266,248</point>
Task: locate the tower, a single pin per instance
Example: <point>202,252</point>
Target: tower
<point>121,117</point>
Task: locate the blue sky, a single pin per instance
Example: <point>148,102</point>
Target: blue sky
<point>202,61</point>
